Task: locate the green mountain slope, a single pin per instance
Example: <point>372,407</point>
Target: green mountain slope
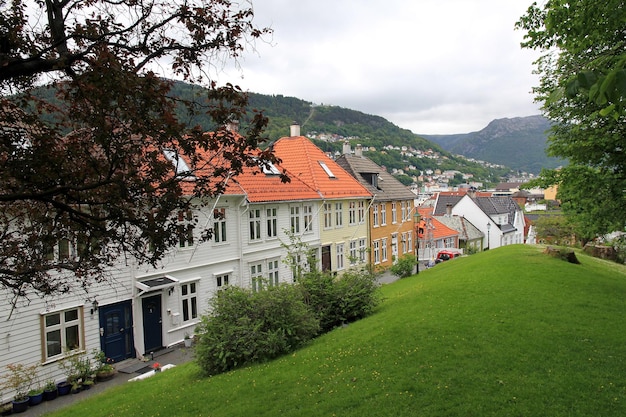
<point>507,332</point>
<point>518,143</point>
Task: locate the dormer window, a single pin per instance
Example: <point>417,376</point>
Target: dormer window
<point>327,170</point>
<point>269,169</point>
<point>371,178</point>
<point>182,169</point>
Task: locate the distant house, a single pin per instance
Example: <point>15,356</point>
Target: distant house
<point>470,237</point>
<point>434,235</point>
<point>499,219</point>
<point>391,211</point>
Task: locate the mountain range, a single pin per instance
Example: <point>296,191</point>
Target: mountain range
<point>518,143</point>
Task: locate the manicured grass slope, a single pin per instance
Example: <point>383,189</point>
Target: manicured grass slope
<point>509,332</point>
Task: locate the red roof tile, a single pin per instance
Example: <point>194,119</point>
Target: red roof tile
<point>308,163</point>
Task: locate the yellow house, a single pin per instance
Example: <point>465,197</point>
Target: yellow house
<point>391,211</point>
<point>342,211</point>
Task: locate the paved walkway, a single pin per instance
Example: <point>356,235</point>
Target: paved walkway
<point>128,369</point>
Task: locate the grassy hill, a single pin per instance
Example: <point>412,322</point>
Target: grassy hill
<point>508,332</point>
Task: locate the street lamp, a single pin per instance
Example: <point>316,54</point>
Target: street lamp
<point>416,220</point>
<point>488,234</point>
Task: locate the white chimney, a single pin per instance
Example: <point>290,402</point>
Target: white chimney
<point>294,129</point>
<point>358,151</point>
<point>346,148</point>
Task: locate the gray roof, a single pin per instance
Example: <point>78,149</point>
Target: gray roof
<point>387,188</point>
<point>467,231</point>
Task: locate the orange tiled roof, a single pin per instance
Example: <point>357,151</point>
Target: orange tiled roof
<point>262,187</point>
<point>307,162</point>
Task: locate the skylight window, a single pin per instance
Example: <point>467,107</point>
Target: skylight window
<point>269,169</point>
<point>326,169</point>
<point>182,169</point>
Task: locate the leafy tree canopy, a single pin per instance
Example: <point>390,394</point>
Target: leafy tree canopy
<point>583,90</point>
<point>90,165</point>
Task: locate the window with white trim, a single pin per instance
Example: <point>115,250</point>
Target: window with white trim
<point>403,210</point>
<point>354,258</point>
<point>376,245</point>
<point>221,281</point>
<point>328,215</point>
<point>352,213</point>
<point>219,225</point>
<point>409,242</point>
<point>189,299</point>
<point>340,256</point>
<point>294,219</point>
<point>256,277</point>
<point>361,212</point>
<point>383,214</point>
<point>272,272</point>
<point>308,217</point>
<point>383,247</point>
<point>271,220</point>
<point>403,238</point>
<point>394,213</point>
<point>62,332</point>
<point>255,224</point>
<point>338,214</point>
<point>185,229</point>
<point>375,215</point>
<point>362,250</point>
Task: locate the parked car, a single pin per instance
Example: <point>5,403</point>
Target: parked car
<point>447,254</point>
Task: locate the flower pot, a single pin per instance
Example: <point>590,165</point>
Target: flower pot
<point>35,399</point>
<point>64,388</point>
<point>105,376</point>
<point>188,342</point>
<point>20,405</point>
<point>49,395</point>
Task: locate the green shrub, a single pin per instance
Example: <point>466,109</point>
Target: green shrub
<point>404,267</point>
<point>245,327</point>
<point>336,301</point>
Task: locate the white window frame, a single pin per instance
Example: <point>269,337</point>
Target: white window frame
<point>352,213</point>
<point>383,214</point>
<point>219,225</point>
<point>383,247</point>
<point>338,214</point>
<point>340,256</point>
<point>362,250</point>
<point>307,211</point>
<point>271,222</point>
<point>376,246</point>
<point>64,324</point>
<point>254,224</point>
<point>328,215</point>
<point>294,219</point>
<point>189,300</point>
<point>256,276</point>
<point>222,280</point>
<point>394,213</point>
<point>273,272</point>
<point>361,212</point>
<point>354,258</point>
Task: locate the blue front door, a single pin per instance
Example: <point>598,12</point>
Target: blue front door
<point>116,331</point>
<point>152,323</point>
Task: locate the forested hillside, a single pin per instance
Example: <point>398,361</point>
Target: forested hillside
<point>517,142</point>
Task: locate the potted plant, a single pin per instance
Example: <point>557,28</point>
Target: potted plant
<point>156,366</point>
<point>69,365</point>
<point>35,396</point>
<point>20,379</point>
<point>104,369</point>
<point>6,409</point>
<point>50,391</point>
<point>187,340</point>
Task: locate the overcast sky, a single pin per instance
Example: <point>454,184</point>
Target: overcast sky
<point>431,66</point>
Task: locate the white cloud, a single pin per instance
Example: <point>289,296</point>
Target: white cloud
<point>431,66</point>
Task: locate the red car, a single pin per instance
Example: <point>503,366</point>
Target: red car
<point>447,254</point>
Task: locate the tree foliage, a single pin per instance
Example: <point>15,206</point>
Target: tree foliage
<point>583,91</point>
<point>84,167</point>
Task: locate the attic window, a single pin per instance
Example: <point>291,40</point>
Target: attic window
<point>182,169</point>
<point>326,169</point>
<point>269,169</point>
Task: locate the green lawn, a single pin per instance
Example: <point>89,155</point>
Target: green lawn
<point>508,332</point>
